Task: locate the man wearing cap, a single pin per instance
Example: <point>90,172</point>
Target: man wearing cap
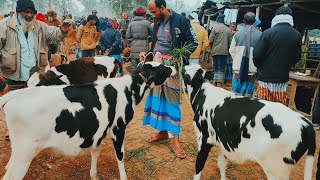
<point>87,35</point>
<point>202,36</point>
<point>94,13</point>
<point>123,26</point>
<point>73,23</point>
<point>24,44</point>
<point>220,37</point>
<point>276,51</point>
<point>138,32</point>
<point>52,20</point>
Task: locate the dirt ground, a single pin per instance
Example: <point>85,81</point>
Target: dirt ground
<point>143,160</point>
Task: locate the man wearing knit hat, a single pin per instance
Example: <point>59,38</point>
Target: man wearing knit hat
<point>220,37</point>
<point>277,50</point>
<point>24,44</point>
<point>138,32</point>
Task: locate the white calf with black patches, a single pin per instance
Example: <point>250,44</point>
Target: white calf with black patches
<point>81,71</point>
<point>268,133</point>
<point>79,117</point>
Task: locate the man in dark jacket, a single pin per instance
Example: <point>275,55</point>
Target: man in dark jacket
<point>138,32</point>
<point>316,109</point>
<point>162,107</point>
<point>178,31</point>
<point>277,50</point>
<point>103,23</point>
<point>316,120</point>
<point>110,42</point>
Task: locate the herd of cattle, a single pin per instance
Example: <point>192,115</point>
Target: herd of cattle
<point>88,101</point>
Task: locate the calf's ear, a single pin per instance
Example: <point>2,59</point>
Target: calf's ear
<point>57,77</point>
<point>149,57</point>
<point>33,70</point>
<point>43,77</point>
<point>208,75</point>
<point>187,79</point>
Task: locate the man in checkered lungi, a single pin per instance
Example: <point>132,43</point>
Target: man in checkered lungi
<point>220,37</point>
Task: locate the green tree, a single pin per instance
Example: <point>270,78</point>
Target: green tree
<point>120,6</point>
<point>314,33</point>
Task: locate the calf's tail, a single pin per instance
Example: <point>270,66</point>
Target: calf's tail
<point>11,95</point>
<point>309,139</point>
<point>117,62</point>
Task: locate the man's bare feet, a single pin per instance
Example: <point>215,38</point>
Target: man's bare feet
<point>157,137</point>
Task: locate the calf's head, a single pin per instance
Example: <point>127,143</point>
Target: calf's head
<point>194,76</point>
<point>49,79</point>
<point>155,74</point>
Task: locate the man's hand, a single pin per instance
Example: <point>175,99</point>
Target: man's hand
<point>106,52</point>
<point>142,56</point>
<point>176,60</point>
<point>66,26</point>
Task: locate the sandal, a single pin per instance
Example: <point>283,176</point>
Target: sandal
<point>157,137</point>
<point>180,153</point>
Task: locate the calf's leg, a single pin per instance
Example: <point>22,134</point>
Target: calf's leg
<point>222,163</point>
<point>275,168</point>
<point>8,164</point>
<point>203,152</point>
<point>118,143</point>
<point>20,160</point>
<point>95,153</point>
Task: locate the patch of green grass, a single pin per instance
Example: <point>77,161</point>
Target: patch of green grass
<point>191,149</point>
<point>148,170</point>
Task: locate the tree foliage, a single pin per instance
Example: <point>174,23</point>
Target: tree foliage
<point>60,6</point>
<point>111,7</point>
<point>314,33</point>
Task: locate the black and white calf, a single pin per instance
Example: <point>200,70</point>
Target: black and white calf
<point>79,117</point>
<point>268,133</point>
<point>82,71</point>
